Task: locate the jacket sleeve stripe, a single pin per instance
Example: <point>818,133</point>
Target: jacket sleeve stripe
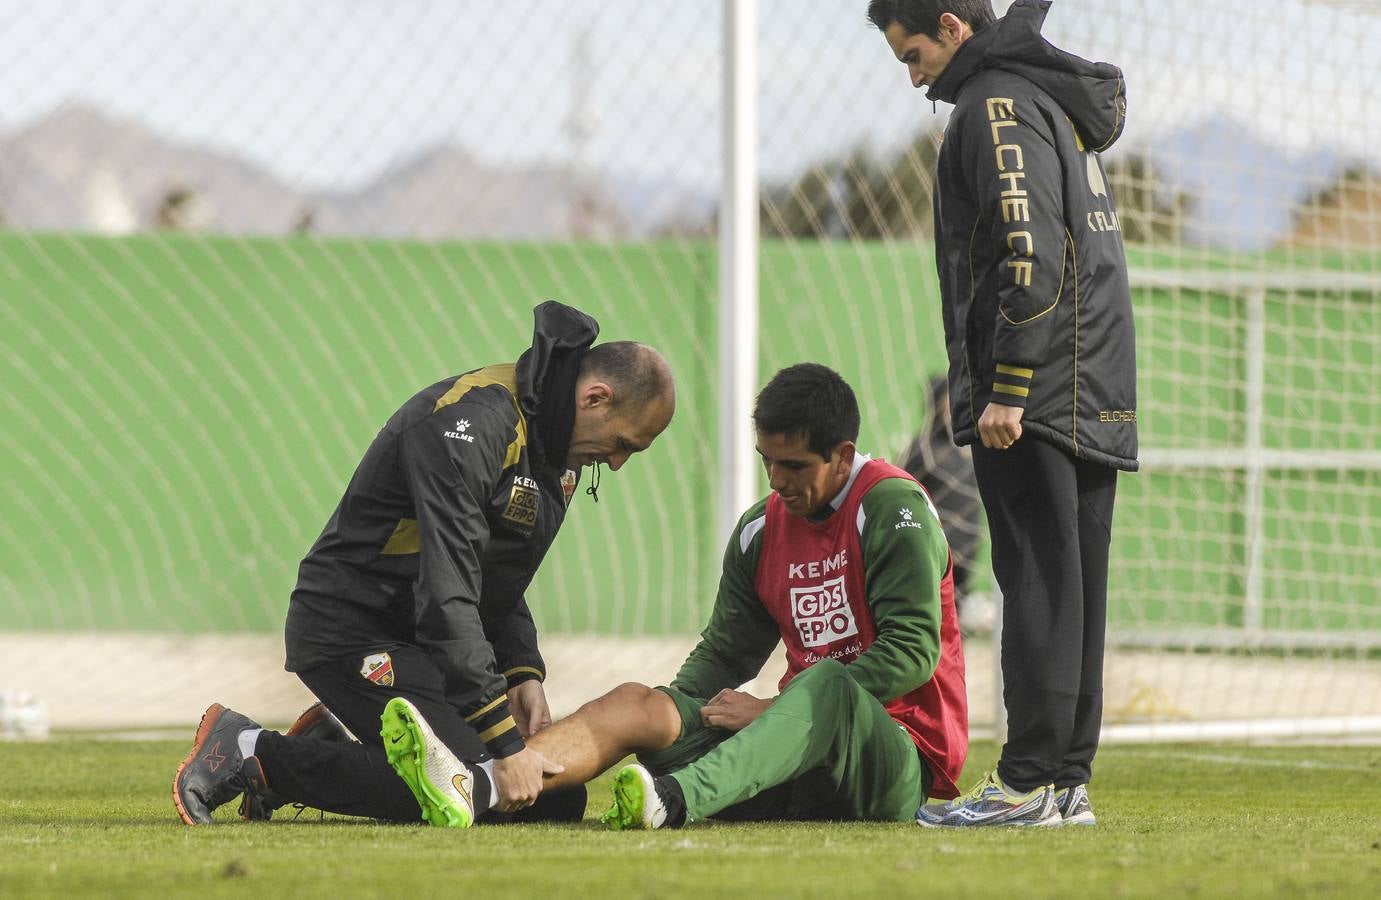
<point>502,698</point>
<point>504,375</point>
<point>489,734</point>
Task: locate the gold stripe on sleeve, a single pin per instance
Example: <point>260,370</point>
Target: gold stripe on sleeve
<point>489,734</point>
<point>488,707</point>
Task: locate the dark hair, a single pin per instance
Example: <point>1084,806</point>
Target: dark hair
<point>637,373</point>
<point>923,16</point>
<point>812,400</point>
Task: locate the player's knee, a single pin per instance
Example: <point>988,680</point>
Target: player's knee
<point>618,701</point>
<point>661,721</point>
<point>824,670</point>
<point>644,716</point>
<point>833,699</point>
<point>825,679</point>
<point>629,702</point>
<point>630,695</point>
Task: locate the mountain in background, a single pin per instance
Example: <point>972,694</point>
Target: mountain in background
<point>82,170</point>
<point>446,193</point>
<point>79,169</point>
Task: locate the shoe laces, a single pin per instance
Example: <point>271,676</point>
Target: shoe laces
<point>227,789</point>
<point>302,807</point>
<point>976,792</point>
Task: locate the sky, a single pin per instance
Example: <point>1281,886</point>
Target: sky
<point>329,94</point>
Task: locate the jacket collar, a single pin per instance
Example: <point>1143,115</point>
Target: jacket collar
<point>547,373</point>
<point>967,60</point>
<point>1092,94</point>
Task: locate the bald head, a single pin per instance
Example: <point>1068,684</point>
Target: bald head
<point>624,399</point>
<point>639,375</point>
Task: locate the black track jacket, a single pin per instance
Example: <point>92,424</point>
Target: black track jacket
<point>1033,277</point>
<point>442,528</point>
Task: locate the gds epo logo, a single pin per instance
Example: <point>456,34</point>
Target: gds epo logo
<point>822,612</point>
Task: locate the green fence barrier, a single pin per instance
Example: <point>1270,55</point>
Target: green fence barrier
<point>181,413</point>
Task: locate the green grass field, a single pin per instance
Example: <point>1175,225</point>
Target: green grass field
<point>92,818</point>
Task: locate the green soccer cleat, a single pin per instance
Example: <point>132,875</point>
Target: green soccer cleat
<point>636,802</point>
<point>990,803</point>
<point>1074,806</point>
<point>442,784</point>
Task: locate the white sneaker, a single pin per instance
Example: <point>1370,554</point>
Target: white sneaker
<point>991,803</point>
<point>1074,806</point>
<point>443,785</point>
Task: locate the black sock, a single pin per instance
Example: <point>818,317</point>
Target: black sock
<point>480,796</point>
<point>673,799</point>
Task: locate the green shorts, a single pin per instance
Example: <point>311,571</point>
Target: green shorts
<point>696,738</point>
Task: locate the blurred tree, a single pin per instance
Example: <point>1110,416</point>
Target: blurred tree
<point>178,210</point>
<point>1150,212</point>
<point>802,209</point>
<point>894,199</point>
<point>858,196</point>
<point>1346,212</point>
<point>306,221</point>
<point>861,196</point>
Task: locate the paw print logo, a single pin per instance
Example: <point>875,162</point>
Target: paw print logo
<point>906,514</point>
<point>462,424</point>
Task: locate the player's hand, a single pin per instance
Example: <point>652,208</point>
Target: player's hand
<point>1000,426</point>
<point>518,778</point>
<point>733,710</point>
<point>528,703</point>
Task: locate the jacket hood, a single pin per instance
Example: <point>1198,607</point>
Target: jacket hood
<point>1092,94</point>
<point>546,374</point>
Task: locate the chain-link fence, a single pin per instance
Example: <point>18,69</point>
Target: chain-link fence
<point>238,235</point>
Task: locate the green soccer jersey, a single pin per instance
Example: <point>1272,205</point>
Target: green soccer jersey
<point>904,569</point>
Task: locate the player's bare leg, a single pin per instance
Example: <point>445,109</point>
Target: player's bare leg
<point>632,718</point>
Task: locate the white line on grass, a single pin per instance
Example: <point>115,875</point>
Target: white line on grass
<point>1231,760</point>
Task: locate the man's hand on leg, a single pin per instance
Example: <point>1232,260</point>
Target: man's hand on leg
<point>632,718</point>
<point>518,778</point>
<point>733,710</point>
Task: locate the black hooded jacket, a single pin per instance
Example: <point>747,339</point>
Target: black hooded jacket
<point>444,524</point>
<point>1033,276</point>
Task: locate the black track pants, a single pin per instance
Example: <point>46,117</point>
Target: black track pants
<point>356,779</point>
<point>1050,515</point>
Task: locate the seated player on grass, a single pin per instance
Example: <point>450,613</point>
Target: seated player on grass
<point>846,562</point>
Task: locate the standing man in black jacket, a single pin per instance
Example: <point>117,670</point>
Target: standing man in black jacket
<point>415,589</point>
<point>1042,376</point>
